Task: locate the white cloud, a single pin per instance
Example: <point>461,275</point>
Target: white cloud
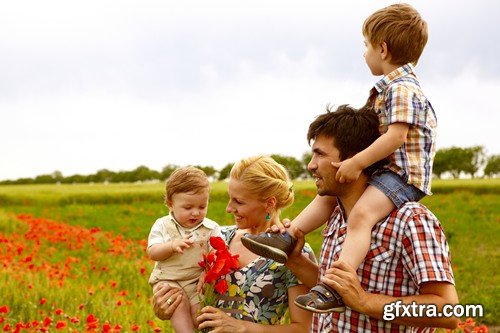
<point>99,84</point>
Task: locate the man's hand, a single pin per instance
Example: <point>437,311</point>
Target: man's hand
<point>297,250</point>
<point>348,170</point>
<point>344,279</point>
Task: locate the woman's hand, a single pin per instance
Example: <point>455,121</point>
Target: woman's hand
<point>165,300</point>
<point>219,321</point>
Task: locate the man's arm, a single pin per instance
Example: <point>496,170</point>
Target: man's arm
<point>345,281</point>
<point>304,268</point>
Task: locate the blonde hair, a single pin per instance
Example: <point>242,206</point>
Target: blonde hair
<point>265,178</point>
<point>186,180</point>
<point>402,28</point>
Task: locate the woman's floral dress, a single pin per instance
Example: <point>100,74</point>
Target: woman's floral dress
<point>258,292</point>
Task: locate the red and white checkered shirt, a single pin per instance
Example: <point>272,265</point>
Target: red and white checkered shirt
<point>407,248</point>
<point>399,99</point>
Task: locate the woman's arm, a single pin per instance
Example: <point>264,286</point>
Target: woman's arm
<point>220,322</point>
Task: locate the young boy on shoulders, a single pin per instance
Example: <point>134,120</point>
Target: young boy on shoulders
<point>177,241</point>
<point>395,37</point>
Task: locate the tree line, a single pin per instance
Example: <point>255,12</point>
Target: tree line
<point>454,161</point>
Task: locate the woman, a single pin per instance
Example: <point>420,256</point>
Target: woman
<point>262,290</point>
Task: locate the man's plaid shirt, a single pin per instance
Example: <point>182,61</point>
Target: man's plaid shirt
<point>407,248</point>
<point>399,99</point>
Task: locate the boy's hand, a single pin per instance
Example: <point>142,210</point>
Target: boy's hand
<point>179,245</point>
<point>348,170</point>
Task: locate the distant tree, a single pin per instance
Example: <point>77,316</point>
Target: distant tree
<point>44,179</point>
<point>458,160</point>
<point>57,176</point>
<point>441,162</point>
<point>143,173</point>
<point>492,168</point>
<point>306,158</point>
<point>104,175</point>
<point>293,165</point>
<point>224,172</point>
<point>208,170</point>
<point>167,171</point>
<point>476,159</point>
<point>78,179</point>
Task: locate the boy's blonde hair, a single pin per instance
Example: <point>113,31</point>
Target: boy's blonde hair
<point>402,28</point>
<point>186,180</point>
<point>265,178</point>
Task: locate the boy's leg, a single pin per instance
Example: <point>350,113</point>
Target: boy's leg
<point>278,246</point>
<point>371,207</point>
<point>182,319</point>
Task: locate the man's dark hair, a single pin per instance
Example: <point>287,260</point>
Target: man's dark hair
<point>352,130</point>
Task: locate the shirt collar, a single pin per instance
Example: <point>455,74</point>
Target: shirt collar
<point>395,74</point>
<point>172,218</point>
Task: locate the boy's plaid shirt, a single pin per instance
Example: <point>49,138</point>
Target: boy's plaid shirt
<point>399,99</point>
<point>407,248</point>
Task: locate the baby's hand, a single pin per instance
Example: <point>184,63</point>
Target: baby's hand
<point>348,170</point>
<point>179,245</point>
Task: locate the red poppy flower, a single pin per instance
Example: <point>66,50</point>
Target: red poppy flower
<point>47,321</point>
<point>60,325</point>
<point>221,286</point>
<point>217,243</point>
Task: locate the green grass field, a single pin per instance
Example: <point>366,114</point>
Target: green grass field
<point>468,210</point>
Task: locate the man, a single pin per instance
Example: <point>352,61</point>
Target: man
<point>408,260</point>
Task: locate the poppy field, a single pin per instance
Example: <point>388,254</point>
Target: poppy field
<point>73,256</point>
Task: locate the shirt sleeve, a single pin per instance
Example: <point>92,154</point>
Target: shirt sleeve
<point>403,104</point>
<point>426,255</point>
<point>156,235</point>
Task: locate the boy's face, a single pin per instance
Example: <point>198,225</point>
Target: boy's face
<point>373,58</point>
<point>189,209</point>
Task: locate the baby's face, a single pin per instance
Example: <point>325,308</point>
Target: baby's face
<point>189,209</point>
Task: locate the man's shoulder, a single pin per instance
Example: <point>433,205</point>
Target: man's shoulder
<point>412,212</point>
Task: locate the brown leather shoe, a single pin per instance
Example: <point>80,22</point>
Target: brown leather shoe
<point>321,299</point>
<point>273,245</point>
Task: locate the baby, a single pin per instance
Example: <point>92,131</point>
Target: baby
<point>177,241</point>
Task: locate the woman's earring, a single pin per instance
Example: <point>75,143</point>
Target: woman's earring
<point>268,217</point>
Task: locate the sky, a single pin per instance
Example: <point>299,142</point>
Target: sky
<point>105,84</point>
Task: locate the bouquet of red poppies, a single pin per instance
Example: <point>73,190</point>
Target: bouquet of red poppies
<point>216,265</point>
